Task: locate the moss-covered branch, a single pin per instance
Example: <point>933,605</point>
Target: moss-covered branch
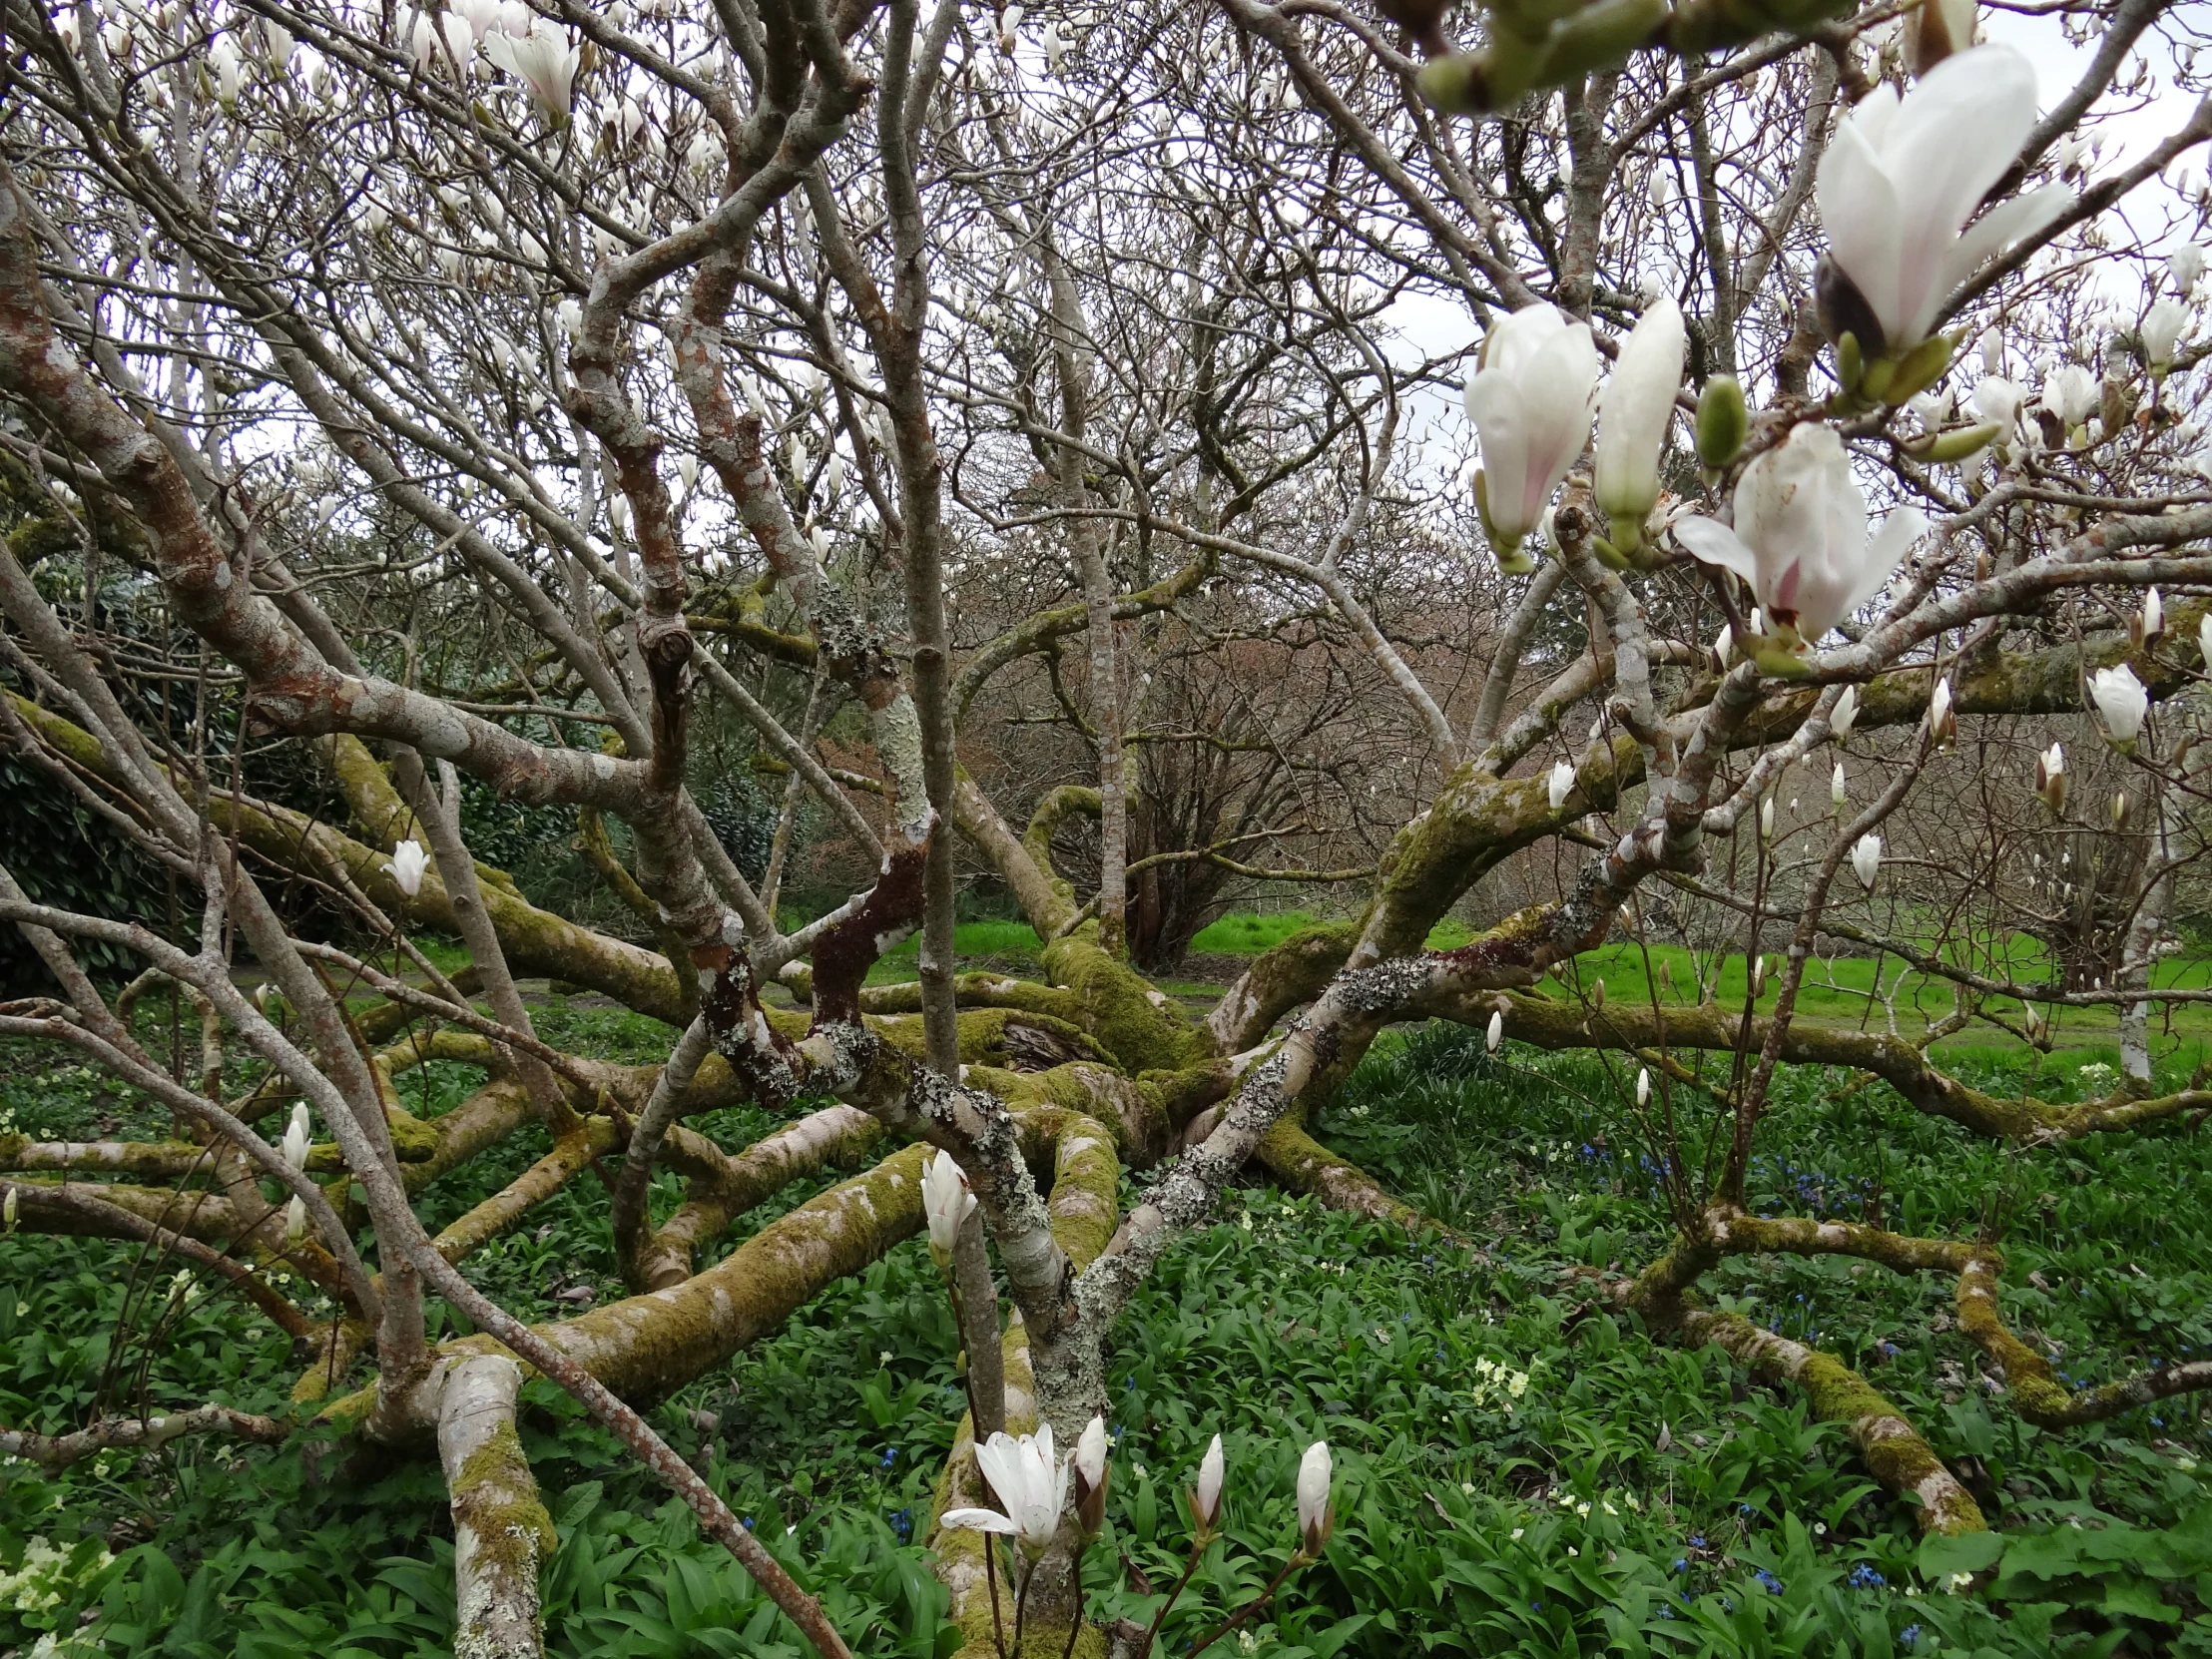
<point>1893,1449</point>
<point>2037,1393</point>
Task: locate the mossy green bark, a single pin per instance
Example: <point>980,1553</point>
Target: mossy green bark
<point>1893,1450</point>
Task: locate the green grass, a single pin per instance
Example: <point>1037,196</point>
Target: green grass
<point>1469,1521</point>
<point>1842,991</point>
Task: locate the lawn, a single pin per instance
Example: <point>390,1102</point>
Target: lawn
<point>1631,1497</point>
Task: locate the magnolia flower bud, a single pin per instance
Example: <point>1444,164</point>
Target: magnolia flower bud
<point>2071,394</point>
<point>2204,641</point>
<point>1598,995</point>
<point>1837,793</point>
<point>2050,778</point>
<point>8,1211</point>
<point>1315,1522</point>
<point>406,865</point>
<point>1559,783</point>
<point>1531,401</point>
<point>295,1220</point>
<point>2186,265</point>
<point>947,1201</point>
<point>1204,1497</point>
<point>1766,818</point>
<point>1943,720</point>
<point>1090,1478</point>
<point>294,1149</point>
<point>1497,1032</point>
<point>2119,810</point>
<point>2161,334</point>
<point>1992,351</point>
<point>2121,703</point>
<point>1643,1086</point>
<point>1722,421</point>
<point>1633,416</point>
<point>1865,860</point>
<point>2154,615</point>
<point>1845,715</point>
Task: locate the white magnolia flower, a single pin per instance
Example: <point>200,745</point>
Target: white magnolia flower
<point>294,1149</point>
<point>1030,1482</point>
<point>2161,331</point>
<point>544,62</point>
<point>422,42</point>
<point>1845,715</point>
<point>2186,265</point>
<point>2121,703</point>
<point>1559,783</point>
<point>1865,860</point>
<point>1314,1519</point>
<point>2071,394</point>
<point>2154,614</point>
<point>1643,1086</point>
<point>295,1220</point>
<point>1992,351</point>
<point>406,866</point>
<point>1903,176</point>
<point>1635,413</point>
<point>946,1200</point>
<point>1800,537</point>
<point>8,1211</point>
<point>1839,792</point>
<point>1531,401</point>
<point>1766,818</point>
<point>1496,1033</point>
<point>2204,639</point>
<point>1998,400</point>
<point>460,40</point>
<point>1206,1497</point>
<point>223,61</point>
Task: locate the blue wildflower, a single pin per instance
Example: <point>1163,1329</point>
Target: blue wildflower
<point>1681,1564</point>
<point>1697,1540</point>
<point>1909,1636</point>
<point>890,1456</point>
<point>1864,1577</point>
<point>1773,1584</point>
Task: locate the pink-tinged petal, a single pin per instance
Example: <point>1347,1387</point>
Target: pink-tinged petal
<point>1712,542</point>
<point>1859,212</point>
<point>978,1520</point>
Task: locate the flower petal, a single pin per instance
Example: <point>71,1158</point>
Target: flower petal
<point>978,1520</point>
<point>1714,543</point>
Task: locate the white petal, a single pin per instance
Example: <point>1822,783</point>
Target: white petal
<point>1714,543</point>
<point>978,1520</point>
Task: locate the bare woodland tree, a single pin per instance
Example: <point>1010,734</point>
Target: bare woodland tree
<point>1014,423</point>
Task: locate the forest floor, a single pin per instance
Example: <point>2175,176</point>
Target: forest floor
<point>1629,1497</point>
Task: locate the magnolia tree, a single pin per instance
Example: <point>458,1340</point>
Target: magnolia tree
<point>1034,436</point>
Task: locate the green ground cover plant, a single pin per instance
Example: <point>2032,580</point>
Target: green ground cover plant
<point>1520,1469</point>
